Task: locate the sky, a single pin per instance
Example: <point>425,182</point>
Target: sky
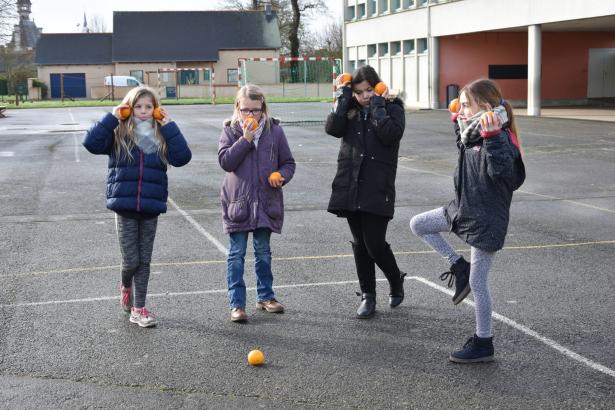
<point>66,16</point>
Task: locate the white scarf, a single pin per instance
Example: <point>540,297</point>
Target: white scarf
<point>146,135</point>
<point>257,133</point>
<point>471,128</point>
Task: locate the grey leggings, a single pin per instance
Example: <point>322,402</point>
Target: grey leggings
<point>136,239</point>
<point>428,226</point>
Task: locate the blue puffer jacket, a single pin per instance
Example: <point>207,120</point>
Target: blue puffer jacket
<point>139,184</point>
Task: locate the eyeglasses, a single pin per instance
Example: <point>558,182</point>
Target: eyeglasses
<point>245,111</point>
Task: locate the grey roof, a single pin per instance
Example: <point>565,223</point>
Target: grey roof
<point>190,35</point>
<point>74,48</point>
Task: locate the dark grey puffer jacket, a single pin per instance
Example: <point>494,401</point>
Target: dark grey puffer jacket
<point>486,175</point>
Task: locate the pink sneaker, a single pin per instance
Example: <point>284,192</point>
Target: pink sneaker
<point>125,298</point>
<point>142,317</point>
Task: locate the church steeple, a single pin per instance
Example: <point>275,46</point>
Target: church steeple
<point>85,28</point>
<point>24,8</point>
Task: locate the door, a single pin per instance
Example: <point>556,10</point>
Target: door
<point>72,83</point>
<point>601,73</point>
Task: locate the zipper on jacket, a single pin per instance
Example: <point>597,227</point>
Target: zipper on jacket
<point>140,181</point>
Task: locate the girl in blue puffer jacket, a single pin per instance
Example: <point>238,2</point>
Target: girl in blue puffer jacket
<point>139,148</point>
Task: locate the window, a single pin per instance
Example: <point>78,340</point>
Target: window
<point>372,50</point>
<point>361,11</point>
<point>408,4</point>
<point>131,83</point>
<point>395,4</point>
<point>383,49</point>
<point>232,75</point>
<point>371,7</point>
<point>350,13</point>
<point>138,74</point>
<point>409,47</point>
<point>384,7</point>
<point>361,63</point>
<point>508,72</point>
<point>206,74</point>
<point>164,77</point>
<point>421,44</point>
<point>188,77</point>
<point>395,48</point>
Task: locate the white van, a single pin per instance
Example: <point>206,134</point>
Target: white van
<point>122,81</point>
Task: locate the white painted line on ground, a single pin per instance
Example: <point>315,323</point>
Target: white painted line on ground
<point>77,145</point>
<point>199,228</point>
<point>549,342</point>
<point>529,332</point>
<point>7,154</point>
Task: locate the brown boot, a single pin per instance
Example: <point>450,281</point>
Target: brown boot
<point>239,315</point>
<point>271,306</point>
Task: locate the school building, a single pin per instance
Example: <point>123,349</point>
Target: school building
<point>541,52</point>
<point>182,53</point>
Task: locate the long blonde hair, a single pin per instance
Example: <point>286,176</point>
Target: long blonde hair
<point>125,138</point>
<point>255,93</point>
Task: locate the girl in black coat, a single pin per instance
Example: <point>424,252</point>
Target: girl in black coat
<point>488,170</point>
<point>370,127</point>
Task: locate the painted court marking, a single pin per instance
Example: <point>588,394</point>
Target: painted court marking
<point>501,318</point>
<point>199,228</point>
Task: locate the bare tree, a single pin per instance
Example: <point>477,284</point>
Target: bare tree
<point>96,24</point>
<point>325,43</point>
<point>8,18</point>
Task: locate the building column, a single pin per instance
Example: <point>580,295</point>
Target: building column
<point>434,73</point>
<point>534,55</point>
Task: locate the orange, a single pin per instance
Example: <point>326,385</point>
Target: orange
<point>157,114</point>
<point>125,112</point>
<point>345,78</point>
<point>454,106</point>
<point>256,357</point>
<point>380,88</point>
<point>250,123</point>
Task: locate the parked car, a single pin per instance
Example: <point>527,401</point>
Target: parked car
<point>122,81</point>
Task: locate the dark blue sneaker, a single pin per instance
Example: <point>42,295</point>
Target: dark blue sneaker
<point>460,275</point>
<point>475,350</point>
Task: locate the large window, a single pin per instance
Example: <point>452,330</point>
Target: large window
<point>138,74</point>
<point>189,77</point>
<point>232,75</point>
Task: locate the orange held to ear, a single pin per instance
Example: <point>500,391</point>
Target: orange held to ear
<point>345,78</point>
<point>454,106</point>
<point>251,124</point>
<point>125,112</point>
<point>380,88</point>
<point>157,114</point>
<point>488,115</point>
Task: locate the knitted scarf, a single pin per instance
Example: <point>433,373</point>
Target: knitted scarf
<point>470,129</point>
<point>257,133</point>
<point>146,135</point>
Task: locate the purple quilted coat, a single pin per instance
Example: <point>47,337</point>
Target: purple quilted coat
<point>248,202</point>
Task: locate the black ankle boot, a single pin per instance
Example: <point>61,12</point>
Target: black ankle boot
<point>460,275</point>
<point>367,308</point>
<point>397,292</point>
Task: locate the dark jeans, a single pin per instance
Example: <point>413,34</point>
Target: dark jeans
<point>370,248</point>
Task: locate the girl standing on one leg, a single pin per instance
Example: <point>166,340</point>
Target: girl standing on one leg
<point>489,169</point>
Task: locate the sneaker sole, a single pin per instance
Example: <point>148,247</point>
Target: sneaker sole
<point>479,360</point>
<point>259,307</point>
<point>462,295</point>
<point>141,324</point>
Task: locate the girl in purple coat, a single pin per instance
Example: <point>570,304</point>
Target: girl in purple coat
<point>258,162</point>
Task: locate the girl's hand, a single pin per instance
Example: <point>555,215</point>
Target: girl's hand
<point>165,116</point>
<point>276,180</point>
<point>342,80</point>
<point>247,134</point>
<point>490,122</point>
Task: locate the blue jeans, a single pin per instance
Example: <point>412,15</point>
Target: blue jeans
<point>262,267</point>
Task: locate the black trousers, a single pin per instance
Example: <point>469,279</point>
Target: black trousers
<point>370,248</point>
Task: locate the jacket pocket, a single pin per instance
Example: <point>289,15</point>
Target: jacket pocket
<point>274,204</point>
<point>238,210</point>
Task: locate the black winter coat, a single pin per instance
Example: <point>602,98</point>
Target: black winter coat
<point>486,175</point>
<point>367,160</point>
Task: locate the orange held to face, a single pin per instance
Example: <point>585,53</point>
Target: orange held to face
<point>454,106</point>
<point>125,112</point>
<point>157,114</point>
<point>256,358</point>
<point>251,123</point>
<point>380,88</point>
<point>345,78</point>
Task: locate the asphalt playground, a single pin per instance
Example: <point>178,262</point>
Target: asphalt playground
<point>65,343</point>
